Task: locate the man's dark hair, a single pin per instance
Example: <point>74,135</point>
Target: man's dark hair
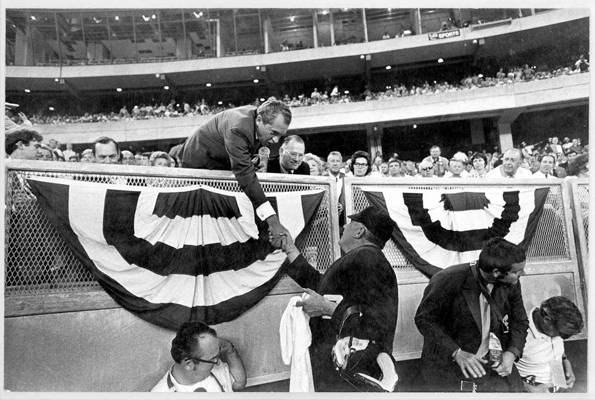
<point>105,140</point>
<point>24,135</point>
<point>435,147</point>
<point>552,155</point>
<point>500,254</point>
<point>577,164</point>
<point>394,160</point>
<point>479,155</point>
<point>360,154</point>
<point>566,314</point>
<point>185,344</point>
<point>271,108</point>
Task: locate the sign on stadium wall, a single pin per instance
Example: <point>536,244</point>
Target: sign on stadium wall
<point>444,34</point>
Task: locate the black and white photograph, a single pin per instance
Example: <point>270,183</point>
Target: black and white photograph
<point>277,199</point>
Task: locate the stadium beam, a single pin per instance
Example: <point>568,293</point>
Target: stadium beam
<point>71,89</point>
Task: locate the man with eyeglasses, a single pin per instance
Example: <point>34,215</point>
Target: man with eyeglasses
<point>203,362</point>
<point>426,169</point>
<point>440,164</point>
<point>291,158</point>
<point>511,166</point>
<point>229,140</point>
<point>544,365</point>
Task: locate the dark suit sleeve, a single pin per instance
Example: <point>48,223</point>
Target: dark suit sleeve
<point>519,323</point>
<point>238,146</point>
<point>303,273</point>
<point>432,311</point>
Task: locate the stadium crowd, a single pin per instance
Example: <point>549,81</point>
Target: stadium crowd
<point>173,109</point>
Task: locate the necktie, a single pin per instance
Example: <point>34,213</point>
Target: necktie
<point>485,322</point>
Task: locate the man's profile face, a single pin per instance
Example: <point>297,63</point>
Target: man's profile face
<point>435,152</point>
<point>513,275</point>
<point>106,153</point>
<point>334,163</point>
<point>271,133</point>
<point>511,161</point>
<point>547,165</point>
<point>292,155</point>
<point>30,151</point>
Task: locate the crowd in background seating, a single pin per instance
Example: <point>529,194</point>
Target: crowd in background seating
<point>174,109</point>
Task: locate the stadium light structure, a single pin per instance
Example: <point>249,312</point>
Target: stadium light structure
<point>27,91</point>
<point>209,85</point>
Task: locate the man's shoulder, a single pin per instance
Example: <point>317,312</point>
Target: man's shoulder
<point>454,272</point>
<point>162,385</point>
<point>495,173</point>
<point>303,169</point>
<point>523,173</point>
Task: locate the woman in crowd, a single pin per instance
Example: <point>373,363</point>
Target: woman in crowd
<point>578,167</point>
<point>160,159</point>
<point>87,156</point>
<point>360,164</point>
<point>315,163</point>
<point>479,162</point>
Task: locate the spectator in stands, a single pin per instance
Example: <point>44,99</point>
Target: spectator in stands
<point>579,167</point>
<point>68,152</point>
<point>360,164</point>
<point>128,158</point>
<point>394,168</point>
<point>291,158</point>
<point>73,158</point>
<point>22,143</point>
<point>13,120</point>
<point>384,169</point>
<point>160,159</point>
<point>547,164</point>
<point>582,64</point>
<point>106,150</point>
<point>510,167</point>
<point>45,153</point>
<point>87,156</point>
<point>315,96</point>
<point>576,146</point>
<point>55,146</point>
<point>143,159</point>
<point>315,163</point>
<point>203,362</point>
<point>479,162</point>
<point>334,163</point>
<point>544,365</point>
<point>455,168</point>
<point>385,35</point>
<point>426,169</point>
<point>439,163</point>
<point>555,147</point>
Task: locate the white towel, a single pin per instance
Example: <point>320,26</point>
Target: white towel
<point>296,338</point>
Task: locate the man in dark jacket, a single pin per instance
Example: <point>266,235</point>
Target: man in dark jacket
<point>363,277</point>
<point>230,139</point>
<point>456,319</point>
<point>291,158</point>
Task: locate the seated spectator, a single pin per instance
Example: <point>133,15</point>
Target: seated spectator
<point>68,152</point>
<point>203,362</point>
<point>87,156</point>
<point>128,158</point>
<point>360,164</point>
<point>544,365</point>
<point>440,164</point>
<point>578,167</point>
<point>106,151</point>
<point>547,163</point>
<point>315,163</point>
<point>45,153</point>
<point>160,159</point>
<point>511,166</point>
<point>456,168</point>
<point>384,169</point>
<point>142,159</point>
<point>22,143</point>
<point>426,169</point>
<point>291,158</point>
<point>73,158</point>
<point>394,168</point>
<point>479,162</point>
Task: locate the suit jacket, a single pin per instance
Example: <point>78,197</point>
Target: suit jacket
<point>449,318</point>
<point>274,166</point>
<point>227,142</point>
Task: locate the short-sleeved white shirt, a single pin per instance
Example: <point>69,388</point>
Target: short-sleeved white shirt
<point>539,351</point>
<point>220,380</point>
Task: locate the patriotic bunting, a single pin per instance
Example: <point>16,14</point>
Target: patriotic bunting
<point>170,255</point>
<point>436,229</point>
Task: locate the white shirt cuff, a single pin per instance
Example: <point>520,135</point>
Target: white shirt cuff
<point>265,210</point>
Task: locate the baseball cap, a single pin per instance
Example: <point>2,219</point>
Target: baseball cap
<point>378,222</point>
